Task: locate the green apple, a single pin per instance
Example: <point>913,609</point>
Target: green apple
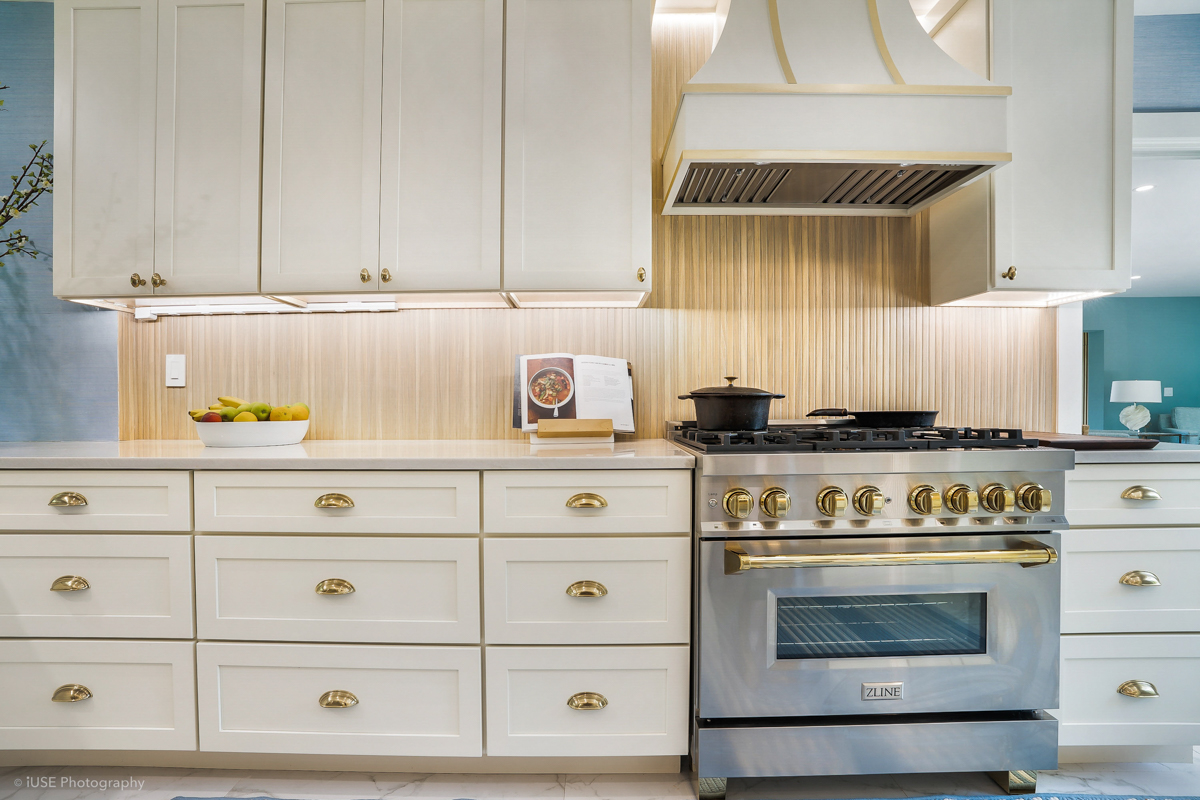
<point>261,410</point>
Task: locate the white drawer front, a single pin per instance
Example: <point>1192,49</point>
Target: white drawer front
<point>528,690</point>
<point>539,501</point>
<point>384,502</point>
<point>1094,494</point>
<point>1093,712</point>
<point>404,590</point>
<point>412,701</point>
<point>116,500</point>
<point>137,587</point>
<point>1094,600</point>
<point>142,695</point>
<point>647,584</point>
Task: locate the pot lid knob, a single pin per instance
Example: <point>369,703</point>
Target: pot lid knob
<point>731,379</point>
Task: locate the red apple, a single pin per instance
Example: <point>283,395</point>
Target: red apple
<point>211,416</point>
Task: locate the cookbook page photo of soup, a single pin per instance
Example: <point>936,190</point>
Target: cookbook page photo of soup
<point>566,386</point>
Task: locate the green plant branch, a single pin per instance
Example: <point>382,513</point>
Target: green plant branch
<point>36,178</point>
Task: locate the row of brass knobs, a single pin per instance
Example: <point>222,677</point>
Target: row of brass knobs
<point>925,500</point>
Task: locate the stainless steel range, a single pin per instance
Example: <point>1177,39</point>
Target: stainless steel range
<point>874,601</point>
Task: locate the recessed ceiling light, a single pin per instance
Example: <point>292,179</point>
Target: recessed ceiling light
<point>1145,188</point>
<point>1135,277</point>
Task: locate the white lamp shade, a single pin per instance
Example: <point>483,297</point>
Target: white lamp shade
<point>1136,392</point>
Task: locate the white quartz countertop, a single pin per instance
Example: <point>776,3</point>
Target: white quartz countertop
<point>332,454</point>
<point>1163,453</point>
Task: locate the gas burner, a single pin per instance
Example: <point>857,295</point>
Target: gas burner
<point>800,438</point>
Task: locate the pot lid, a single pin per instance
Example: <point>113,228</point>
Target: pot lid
<point>731,390</point>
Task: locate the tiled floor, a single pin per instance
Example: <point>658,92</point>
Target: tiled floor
<point>162,784</point>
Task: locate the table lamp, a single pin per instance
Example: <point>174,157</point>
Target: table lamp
<point>1136,416</point>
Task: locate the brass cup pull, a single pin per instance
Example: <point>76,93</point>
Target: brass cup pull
<point>335,586</point>
<point>334,500</point>
<point>1140,577</point>
<point>364,276</point>
<point>1138,689</point>
<point>338,698</point>
<point>69,583</point>
<point>63,499</point>
<point>385,275</point>
<point>587,589</point>
<point>587,701</point>
<point>587,500</point>
<point>1140,493</point>
<point>71,693</point>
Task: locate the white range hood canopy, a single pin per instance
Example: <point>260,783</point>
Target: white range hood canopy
<point>823,107</point>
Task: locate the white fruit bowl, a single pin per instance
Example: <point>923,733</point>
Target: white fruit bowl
<point>251,434</point>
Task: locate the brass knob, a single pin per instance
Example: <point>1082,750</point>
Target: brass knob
<point>71,693</point>
<point>338,698</point>
<point>868,501</point>
<point>1009,274</point>
<point>738,503</point>
<point>1140,493</point>
<point>364,275</point>
<point>962,499</point>
<point>1034,498</point>
<point>587,701</point>
<point>925,500</point>
<point>997,499</point>
<point>586,500</point>
<point>1140,577</point>
<point>1138,689</point>
<point>334,500</point>
<point>335,586</point>
<point>69,583</point>
<point>157,280</point>
<point>831,501</point>
<point>641,274</point>
<point>775,502</point>
<point>587,589</point>
<point>385,275</point>
<point>136,280</point>
<point>67,499</point>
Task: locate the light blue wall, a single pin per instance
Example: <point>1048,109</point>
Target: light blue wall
<point>1166,63</point>
<point>1144,338</point>
<point>58,360</point>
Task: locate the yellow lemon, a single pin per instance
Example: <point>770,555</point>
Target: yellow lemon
<point>299,411</point>
<point>245,416</point>
<point>281,414</point>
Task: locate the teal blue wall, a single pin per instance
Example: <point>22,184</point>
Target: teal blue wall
<point>1144,338</point>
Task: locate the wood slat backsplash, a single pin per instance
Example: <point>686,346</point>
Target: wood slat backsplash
<point>829,311</point>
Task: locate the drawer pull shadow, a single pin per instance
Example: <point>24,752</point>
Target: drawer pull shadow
<point>1140,493</point>
<point>587,500</point>
<point>587,701</point>
<point>71,693</point>
<point>69,583</point>
<point>587,589</point>
<point>1138,689</point>
<point>334,500</point>
<point>1140,577</point>
<point>66,499</point>
<point>338,698</point>
<point>335,586</point>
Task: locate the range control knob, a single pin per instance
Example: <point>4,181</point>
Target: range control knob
<point>775,502</point>
<point>831,501</point>
<point>868,501</point>
<point>1034,498</point>
<point>962,499</point>
<point>738,503</point>
<point>997,499</point>
<point>925,500</point>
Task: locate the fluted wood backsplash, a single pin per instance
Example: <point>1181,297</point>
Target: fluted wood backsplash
<point>827,310</point>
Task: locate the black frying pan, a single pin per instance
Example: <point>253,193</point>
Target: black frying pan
<point>881,419</point>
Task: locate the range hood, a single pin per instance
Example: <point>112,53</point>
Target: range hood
<point>829,107</point>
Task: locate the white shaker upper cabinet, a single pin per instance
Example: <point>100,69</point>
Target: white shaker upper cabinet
<point>577,209</point>
<point>443,70</point>
<point>104,96</point>
<point>209,114</point>
<point>321,129</point>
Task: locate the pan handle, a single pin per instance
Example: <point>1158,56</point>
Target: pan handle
<point>685,397</point>
<point>829,412</point>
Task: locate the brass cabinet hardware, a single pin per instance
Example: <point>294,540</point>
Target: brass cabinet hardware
<point>586,500</point>
<point>641,274</point>
<point>67,499</point>
<point>1140,493</point>
<point>925,500</point>
<point>738,503</point>
<point>738,560</point>
<point>338,698</point>
<point>136,280</point>
<point>1009,274</point>
<point>587,589</point>
<point>1140,577</point>
<point>364,275</point>
<point>831,501</point>
<point>587,701</point>
<point>775,502</point>
<point>868,501</point>
<point>1138,689</point>
<point>157,281</point>
<point>1034,498</point>
<point>997,499</point>
<point>335,586</point>
<point>71,693</point>
<point>334,500</point>
<point>962,499</point>
<point>385,275</point>
<point>69,583</point>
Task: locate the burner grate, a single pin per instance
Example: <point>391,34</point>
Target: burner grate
<point>806,438</point>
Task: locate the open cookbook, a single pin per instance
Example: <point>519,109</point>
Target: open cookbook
<point>565,386</point>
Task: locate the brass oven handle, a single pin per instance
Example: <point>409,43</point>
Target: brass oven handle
<point>334,500</point>
<point>338,698</point>
<point>587,589</point>
<point>71,693</point>
<point>1138,689</point>
<point>335,586</point>
<point>1140,577</point>
<point>587,500</point>
<point>1140,493</point>
<point>737,560</point>
<point>63,499</point>
<point>587,701</point>
<point>69,583</point>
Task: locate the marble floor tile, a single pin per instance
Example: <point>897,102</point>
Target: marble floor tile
<point>628,787</point>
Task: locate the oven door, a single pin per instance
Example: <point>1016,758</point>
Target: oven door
<point>878,625</point>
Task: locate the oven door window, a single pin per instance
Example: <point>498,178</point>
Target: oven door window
<point>881,625</point>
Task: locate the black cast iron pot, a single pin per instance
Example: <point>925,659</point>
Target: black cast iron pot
<point>731,408</point>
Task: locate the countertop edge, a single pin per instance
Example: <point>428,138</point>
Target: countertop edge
<point>364,464</point>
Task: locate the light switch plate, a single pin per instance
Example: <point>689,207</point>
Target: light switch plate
<point>1168,392</point>
<point>176,370</point>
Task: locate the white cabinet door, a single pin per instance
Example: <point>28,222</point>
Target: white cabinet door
<point>104,85</point>
<point>577,155</point>
<point>209,114</point>
<point>321,127</point>
<point>443,67</point>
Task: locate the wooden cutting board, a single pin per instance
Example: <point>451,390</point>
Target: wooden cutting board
<point>1069,441</point>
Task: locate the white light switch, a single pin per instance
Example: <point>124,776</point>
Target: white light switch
<point>1168,392</point>
<point>176,370</point>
